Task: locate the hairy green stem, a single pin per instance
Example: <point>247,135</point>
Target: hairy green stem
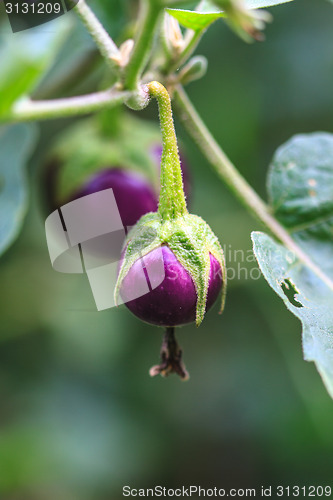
<point>26,110</point>
<point>104,42</point>
<point>150,12</point>
<point>172,200</point>
<point>233,179</point>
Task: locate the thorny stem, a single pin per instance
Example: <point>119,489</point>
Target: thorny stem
<point>171,357</point>
<point>26,110</point>
<point>104,42</point>
<point>233,179</point>
<point>150,12</point>
<point>172,200</point>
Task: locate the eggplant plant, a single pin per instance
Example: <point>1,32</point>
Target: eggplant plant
<point>155,59</point>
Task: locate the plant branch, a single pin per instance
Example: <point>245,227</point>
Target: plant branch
<point>104,42</point>
<point>26,110</point>
<point>150,12</point>
<point>233,179</point>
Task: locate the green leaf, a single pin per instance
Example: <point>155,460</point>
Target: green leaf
<point>25,57</point>
<point>209,12</point>
<point>16,143</point>
<point>300,186</point>
<point>197,21</point>
<point>209,6</point>
<point>283,271</point>
<point>260,4</point>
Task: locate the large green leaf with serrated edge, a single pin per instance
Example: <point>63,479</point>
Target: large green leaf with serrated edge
<point>209,12</point>
<point>16,144</point>
<point>25,57</point>
<point>300,186</point>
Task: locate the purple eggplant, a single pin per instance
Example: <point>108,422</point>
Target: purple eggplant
<point>173,302</point>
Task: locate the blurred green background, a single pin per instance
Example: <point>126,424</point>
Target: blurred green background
<point>79,415</point>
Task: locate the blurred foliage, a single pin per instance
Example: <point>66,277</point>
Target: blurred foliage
<point>16,144</point>
<point>91,145</point>
<point>80,416</point>
<point>25,57</point>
